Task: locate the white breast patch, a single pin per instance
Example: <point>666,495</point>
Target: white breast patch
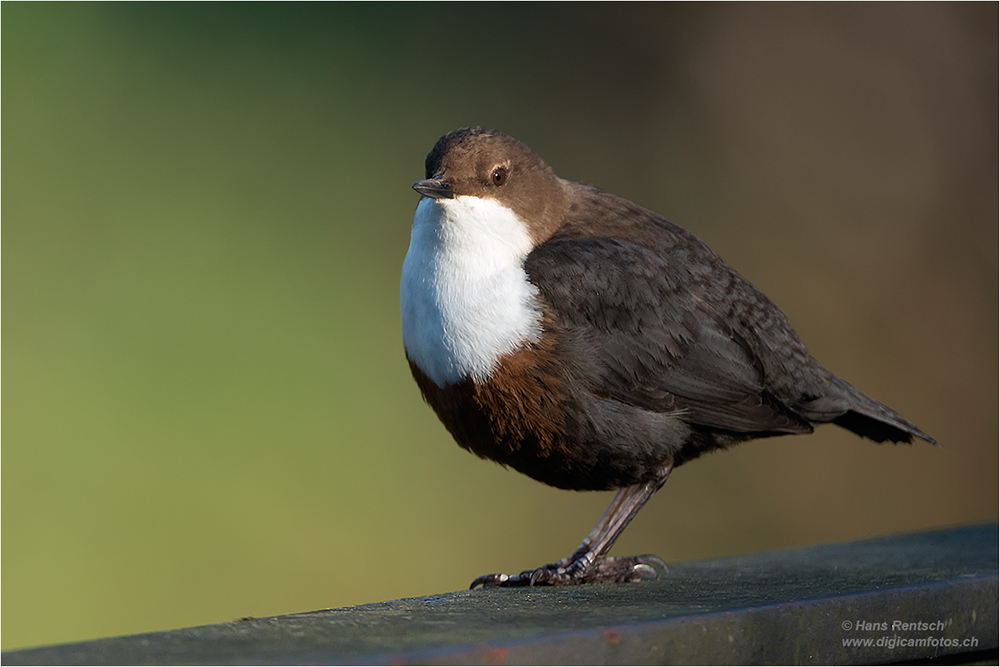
<point>465,298</point>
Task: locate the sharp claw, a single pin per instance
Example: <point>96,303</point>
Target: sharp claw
<point>648,568</point>
<point>490,581</point>
<point>653,562</point>
<point>643,572</point>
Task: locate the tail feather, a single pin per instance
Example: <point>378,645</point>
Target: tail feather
<point>871,419</point>
<point>875,428</point>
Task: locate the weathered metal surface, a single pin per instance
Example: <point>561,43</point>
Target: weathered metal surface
<point>805,606</point>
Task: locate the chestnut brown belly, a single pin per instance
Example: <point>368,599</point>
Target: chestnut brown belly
<point>526,417</point>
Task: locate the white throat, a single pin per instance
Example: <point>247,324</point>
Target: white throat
<point>465,298</point>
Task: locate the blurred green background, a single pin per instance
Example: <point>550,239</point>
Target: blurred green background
<point>207,412</point>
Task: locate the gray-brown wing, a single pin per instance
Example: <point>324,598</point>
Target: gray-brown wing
<point>637,328</point>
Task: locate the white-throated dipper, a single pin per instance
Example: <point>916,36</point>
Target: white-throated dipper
<point>592,344</point>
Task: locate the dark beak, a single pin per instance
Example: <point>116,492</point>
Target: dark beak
<point>435,188</point>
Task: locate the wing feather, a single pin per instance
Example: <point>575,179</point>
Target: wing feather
<point>638,329</point>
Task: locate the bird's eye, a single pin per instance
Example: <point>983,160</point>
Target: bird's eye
<point>499,176</point>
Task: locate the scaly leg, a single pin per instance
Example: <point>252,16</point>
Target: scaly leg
<point>590,562</point>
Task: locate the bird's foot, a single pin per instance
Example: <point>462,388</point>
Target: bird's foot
<point>570,572</point>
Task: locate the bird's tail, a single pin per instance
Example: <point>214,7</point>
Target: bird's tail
<point>870,419</point>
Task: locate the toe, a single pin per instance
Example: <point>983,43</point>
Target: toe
<point>648,568</point>
<point>490,581</point>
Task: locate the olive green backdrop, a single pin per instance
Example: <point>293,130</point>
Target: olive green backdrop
<point>206,409</point>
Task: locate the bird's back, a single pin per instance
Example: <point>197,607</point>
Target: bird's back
<point>651,318</point>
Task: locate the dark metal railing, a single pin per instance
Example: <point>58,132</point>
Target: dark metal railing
<point>901,598</point>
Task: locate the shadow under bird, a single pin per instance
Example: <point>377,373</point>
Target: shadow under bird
<point>592,344</point>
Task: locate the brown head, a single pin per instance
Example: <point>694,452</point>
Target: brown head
<point>488,164</point>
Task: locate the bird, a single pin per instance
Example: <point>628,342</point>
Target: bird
<point>591,344</point>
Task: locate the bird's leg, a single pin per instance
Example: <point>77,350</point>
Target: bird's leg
<point>590,562</point>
